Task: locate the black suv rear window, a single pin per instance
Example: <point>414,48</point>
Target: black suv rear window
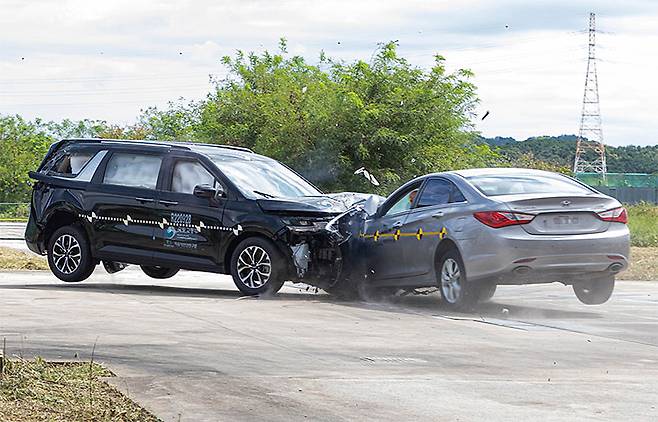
<point>133,170</point>
<point>69,163</point>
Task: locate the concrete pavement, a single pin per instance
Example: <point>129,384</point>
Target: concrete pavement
<point>11,236</point>
<point>191,349</point>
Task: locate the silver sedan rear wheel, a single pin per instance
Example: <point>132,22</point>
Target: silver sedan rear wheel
<point>451,281</point>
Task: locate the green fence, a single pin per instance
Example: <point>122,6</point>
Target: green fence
<point>619,180</point>
<point>629,188</point>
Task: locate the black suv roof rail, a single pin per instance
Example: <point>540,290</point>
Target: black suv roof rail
<point>201,144</point>
<point>175,144</point>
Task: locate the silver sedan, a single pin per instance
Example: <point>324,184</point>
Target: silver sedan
<point>468,231</point>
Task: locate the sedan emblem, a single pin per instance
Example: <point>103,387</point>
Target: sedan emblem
<point>566,203</point>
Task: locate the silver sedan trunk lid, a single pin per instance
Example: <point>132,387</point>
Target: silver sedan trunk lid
<point>557,214</point>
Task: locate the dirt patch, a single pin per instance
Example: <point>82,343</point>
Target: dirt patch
<point>12,259</point>
<point>39,390</point>
<point>644,265</point>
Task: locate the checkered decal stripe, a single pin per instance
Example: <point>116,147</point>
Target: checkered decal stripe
<point>127,220</point>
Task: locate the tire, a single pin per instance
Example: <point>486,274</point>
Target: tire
<point>159,272</point>
<point>69,255</point>
<point>595,291</point>
<point>456,291</point>
<point>487,291</point>
<point>250,263</point>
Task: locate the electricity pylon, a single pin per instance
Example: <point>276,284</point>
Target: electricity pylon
<point>590,150</point>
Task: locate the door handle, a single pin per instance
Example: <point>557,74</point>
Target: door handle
<point>438,214</point>
<point>397,225</point>
<point>145,200</point>
<point>168,203</point>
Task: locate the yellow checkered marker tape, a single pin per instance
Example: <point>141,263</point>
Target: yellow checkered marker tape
<point>396,235</point>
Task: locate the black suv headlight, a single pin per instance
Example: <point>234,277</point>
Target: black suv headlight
<point>304,224</point>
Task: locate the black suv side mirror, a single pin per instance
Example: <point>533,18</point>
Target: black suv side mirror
<point>207,191</point>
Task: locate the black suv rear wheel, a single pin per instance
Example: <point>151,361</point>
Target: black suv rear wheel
<point>159,272</point>
<point>258,267</point>
<point>69,256</point>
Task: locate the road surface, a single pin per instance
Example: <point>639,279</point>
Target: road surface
<point>191,349</point>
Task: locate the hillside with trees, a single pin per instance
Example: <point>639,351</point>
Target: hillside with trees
<point>560,151</point>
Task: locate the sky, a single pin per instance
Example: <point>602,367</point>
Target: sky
<point>107,60</point>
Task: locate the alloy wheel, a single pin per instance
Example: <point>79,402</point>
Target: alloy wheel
<point>450,280</point>
<point>67,254</point>
<point>254,267</point>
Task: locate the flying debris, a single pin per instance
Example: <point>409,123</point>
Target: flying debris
<point>485,115</point>
<point>367,175</point>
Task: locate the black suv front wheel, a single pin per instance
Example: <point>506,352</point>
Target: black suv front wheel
<point>257,267</point>
<point>69,256</point>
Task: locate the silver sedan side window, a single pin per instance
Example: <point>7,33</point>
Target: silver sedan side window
<point>404,203</point>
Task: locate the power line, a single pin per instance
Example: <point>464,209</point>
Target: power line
<point>590,150</point>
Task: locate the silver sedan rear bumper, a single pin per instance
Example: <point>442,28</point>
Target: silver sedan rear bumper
<point>512,256</point>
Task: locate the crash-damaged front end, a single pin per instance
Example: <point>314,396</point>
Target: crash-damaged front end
<point>319,234</point>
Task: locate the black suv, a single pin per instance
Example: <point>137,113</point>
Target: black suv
<point>168,205</point>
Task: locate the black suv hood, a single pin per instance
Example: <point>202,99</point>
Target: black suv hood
<point>326,205</point>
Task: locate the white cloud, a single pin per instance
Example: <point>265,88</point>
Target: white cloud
<point>107,60</point>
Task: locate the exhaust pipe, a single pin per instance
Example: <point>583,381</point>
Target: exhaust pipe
<point>615,268</point>
<point>522,270</point>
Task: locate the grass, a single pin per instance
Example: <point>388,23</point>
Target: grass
<point>14,212</point>
<point>12,259</point>
<point>37,390</point>
<point>643,224</point>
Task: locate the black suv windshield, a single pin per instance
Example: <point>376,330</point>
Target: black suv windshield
<point>257,177</point>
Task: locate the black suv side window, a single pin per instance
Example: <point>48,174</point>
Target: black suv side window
<point>188,174</point>
<point>438,192</point>
<point>133,170</point>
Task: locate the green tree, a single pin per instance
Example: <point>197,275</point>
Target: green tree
<point>329,119</point>
<point>22,146</point>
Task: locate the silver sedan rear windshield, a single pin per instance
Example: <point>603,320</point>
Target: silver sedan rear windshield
<point>518,184</point>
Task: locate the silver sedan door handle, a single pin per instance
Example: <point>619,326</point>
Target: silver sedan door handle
<point>438,214</point>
